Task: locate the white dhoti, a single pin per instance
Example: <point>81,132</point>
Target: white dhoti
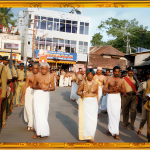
<point>104,103</point>
<point>28,108</point>
<point>69,81</point>
<point>87,118</point>
<point>100,93</point>
<point>61,80</point>
<point>114,110</point>
<point>76,96</point>
<point>72,95</point>
<point>55,81</point>
<point>41,109</point>
<point>66,81</point>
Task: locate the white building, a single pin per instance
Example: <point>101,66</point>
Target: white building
<point>8,41</point>
<point>66,33</point>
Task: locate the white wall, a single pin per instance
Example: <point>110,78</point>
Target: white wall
<point>140,57</point>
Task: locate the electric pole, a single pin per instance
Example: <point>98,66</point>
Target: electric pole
<point>128,44</point>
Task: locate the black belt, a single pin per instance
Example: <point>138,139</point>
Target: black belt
<point>131,93</point>
<point>21,80</point>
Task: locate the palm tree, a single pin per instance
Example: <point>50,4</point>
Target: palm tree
<point>5,17</point>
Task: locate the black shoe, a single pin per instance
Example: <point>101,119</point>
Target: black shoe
<point>148,141</point>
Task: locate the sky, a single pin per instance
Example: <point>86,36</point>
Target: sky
<point>101,14</point>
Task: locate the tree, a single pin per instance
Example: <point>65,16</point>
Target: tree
<point>120,28</point>
<point>5,17</point>
<point>97,39</point>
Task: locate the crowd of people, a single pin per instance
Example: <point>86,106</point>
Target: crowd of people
<point>94,92</point>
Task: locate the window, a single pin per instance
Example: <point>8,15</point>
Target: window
<point>84,28</point>
<point>49,23</point>
<point>68,26</point>
<point>56,24</point>
<point>37,22</point>
<point>74,26</point>
<point>83,47</point>
<point>62,25</point>
<point>73,46</point>
<point>29,21</point>
<point>49,44</point>
<point>43,23</point>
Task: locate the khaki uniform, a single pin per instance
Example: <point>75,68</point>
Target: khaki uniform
<point>29,72</point>
<point>14,72</point>
<point>6,102</point>
<point>147,106</point>
<point>3,85</point>
<point>21,84</point>
<point>129,103</point>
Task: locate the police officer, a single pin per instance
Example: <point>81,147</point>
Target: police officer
<point>21,83</point>
<point>6,102</point>
<point>3,86</point>
<point>147,106</point>
<point>30,68</point>
<point>141,93</point>
<point>129,99</point>
<point>14,82</point>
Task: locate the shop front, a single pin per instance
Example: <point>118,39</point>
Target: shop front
<point>57,59</point>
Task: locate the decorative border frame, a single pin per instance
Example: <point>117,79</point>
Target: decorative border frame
<point>79,4</point>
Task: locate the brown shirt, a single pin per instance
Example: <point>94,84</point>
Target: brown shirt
<point>3,81</point>
<point>127,86</point>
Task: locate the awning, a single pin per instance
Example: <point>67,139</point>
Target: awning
<point>60,62</point>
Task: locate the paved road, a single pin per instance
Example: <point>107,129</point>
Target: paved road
<point>63,122</point>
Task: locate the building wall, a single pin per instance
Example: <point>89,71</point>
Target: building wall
<point>139,58</point>
<point>22,26</point>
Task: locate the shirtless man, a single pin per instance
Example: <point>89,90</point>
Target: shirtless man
<point>88,107</point>
<point>28,92</point>
<point>104,99</point>
<point>116,86</point>
<point>84,74</point>
<point>66,78</point>
<point>41,84</point>
<point>101,80</point>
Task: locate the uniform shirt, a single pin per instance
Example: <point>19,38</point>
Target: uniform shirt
<point>8,72</point>
<point>127,86</point>
<point>20,74</point>
<point>29,72</point>
<point>3,80</point>
<point>147,92</point>
<point>14,71</point>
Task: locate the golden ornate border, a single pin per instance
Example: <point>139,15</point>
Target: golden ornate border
<point>79,4</point>
<point>75,145</point>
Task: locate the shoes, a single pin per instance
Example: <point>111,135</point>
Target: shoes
<point>21,105</point>
<point>7,117</point>
<point>16,105</point>
<point>148,140</point>
<point>132,128</point>
<point>125,127</point>
<point>3,125</point>
<point>139,132</point>
<point>11,110</point>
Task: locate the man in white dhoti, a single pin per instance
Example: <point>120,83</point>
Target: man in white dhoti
<point>79,79</point>
<point>70,78</point>
<point>116,86</point>
<point>28,92</point>
<point>74,86</point>
<point>88,89</point>
<point>61,80</point>
<point>104,99</point>
<point>101,80</point>
<point>66,79</point>
<point>41,84</point>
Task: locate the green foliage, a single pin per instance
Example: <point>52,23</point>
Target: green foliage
<point>119,29</point>
<point>5,17</point>
<point>97,39</point>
